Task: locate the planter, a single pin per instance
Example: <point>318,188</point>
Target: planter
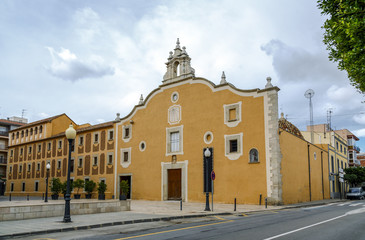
<point>122,197</point>
<point>88,196</point>
<point>54,196</point>
<point>77,196</point>
<point>101,197</point>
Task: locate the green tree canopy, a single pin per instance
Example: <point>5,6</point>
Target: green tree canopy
<point>355,175</point>
<point>345,37</point>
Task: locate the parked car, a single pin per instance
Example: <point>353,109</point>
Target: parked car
<point>356,193</point>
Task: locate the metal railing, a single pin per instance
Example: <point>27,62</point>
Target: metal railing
<point>3,147</point>
<point>3,161</point>
<point>4,133</point>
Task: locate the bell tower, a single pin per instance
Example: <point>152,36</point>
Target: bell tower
<point>178,65</point>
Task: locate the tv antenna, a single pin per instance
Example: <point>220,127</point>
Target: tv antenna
<point>309,94</point>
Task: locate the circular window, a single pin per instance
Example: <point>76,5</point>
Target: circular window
<point>174,97</point>
<point>142,146</point>
<point>208,137</point>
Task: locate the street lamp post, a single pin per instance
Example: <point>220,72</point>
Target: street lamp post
<point>48,166</point>
<point>207,154</point>
<point>70,135</point>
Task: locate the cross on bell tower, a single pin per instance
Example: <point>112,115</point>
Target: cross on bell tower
<point>178,65</point>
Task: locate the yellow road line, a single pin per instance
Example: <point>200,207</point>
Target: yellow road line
<point>244,215</point>
<point>220,218</point>
<point>174,230</point>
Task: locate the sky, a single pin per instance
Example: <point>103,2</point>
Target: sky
<point>92,59</point>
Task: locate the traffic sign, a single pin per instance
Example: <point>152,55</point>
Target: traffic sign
<point>341,175</point>
<point>213,175</point>
<point>340,170</point>
<point>341,179</point>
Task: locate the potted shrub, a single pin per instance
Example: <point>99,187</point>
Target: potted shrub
<point>101,190</point>
<point>89,188</point>
<point>78,184</point>
<point>55,187</point>
<point>64,188</point>
<point>124,190</point>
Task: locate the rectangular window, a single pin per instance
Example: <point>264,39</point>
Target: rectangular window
<point>23,187</point>
<point>59,144</point>
<point>110,159</point>
<point>96,138</point>
<point>80,163</point>
<point>20,168</point>
<point>10,169</point>
<point>59,164</point>
<point>12,187</point>
<point>233,146</point>
<point>30,150</point>
<point>39,148</point>
<point>111,135</point>
<point>49,146</point>
<point>29,166</point>
<point>332,164</point>
<point>21,151</point>
<point>38,166</point>
<point>174,142</point>
<point>95,162</point>
<point>11,153</point>
<point>232,114</point>
<point>36,186</point>
<point>72,163</point>
<point>81,140</point>
<point>125,156</point>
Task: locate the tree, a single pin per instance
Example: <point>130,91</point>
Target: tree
<point>345,37</point>
<point>355,175</point>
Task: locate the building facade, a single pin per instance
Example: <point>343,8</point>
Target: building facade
<point>6,125</point>
<point>159,146</point>
<point>34,145</point>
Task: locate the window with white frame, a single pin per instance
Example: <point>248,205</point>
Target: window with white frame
<point>59,164</point>
<point>232,114</point>
<point>95,160</point>
<point>96,137</point>
<point>233,146</point>
<point>59,144</point>
<point>125,157</point>
<point>80,162</point>
<point>127,133</point>
<point>110,158</point>
<point>254,156</point>
<point>174,140</point>
<point>110,135</point>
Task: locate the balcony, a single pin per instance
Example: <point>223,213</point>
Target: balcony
<point>3,147</point>
<point>3,161</point>
<point>4,133</point>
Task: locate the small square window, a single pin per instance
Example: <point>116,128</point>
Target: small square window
<point>125,157</point>
<point>127,133</point>
<point>233,146</point>
<point>232,114</point>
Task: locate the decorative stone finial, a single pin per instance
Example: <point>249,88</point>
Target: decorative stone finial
<point>170,56</point>
<point>282,115</point>
<point>223,78</point>
<point>184,50</point>
<point>268,84</point>
<point>141,100</point>
<point>177,43</point>
<point>118,117</point>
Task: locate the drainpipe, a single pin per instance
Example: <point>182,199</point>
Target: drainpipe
<point>322,174</point>
<point>309,175</point>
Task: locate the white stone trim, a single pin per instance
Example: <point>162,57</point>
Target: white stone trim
<point>174,114</point>
<point>172,97</point>
<point>122,162</point>
<point>181,140</point>
<point>183,165</point>
<point>239,138</point>
<point>140,146</point>
<point>226,108</point>
<point>206,141</point>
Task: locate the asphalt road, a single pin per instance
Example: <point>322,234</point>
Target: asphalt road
<point>336,221</point>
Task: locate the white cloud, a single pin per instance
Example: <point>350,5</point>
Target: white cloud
<point>67,66</point>
<point>359,133</point>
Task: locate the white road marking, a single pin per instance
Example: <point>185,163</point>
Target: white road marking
<point>356,204</point>
<point>357,211</point>
<point>343,204</point>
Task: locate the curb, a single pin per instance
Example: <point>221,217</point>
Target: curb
<point>109,224</point>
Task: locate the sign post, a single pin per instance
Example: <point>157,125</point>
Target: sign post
<point>213,178</point>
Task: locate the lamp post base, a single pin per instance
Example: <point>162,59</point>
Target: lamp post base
<point>207,202</point>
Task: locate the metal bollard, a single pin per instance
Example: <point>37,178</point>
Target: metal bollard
<point>27,197</point>
<point>10,197</point>
<point>180,205</point>
<point>265,202</point>
<point>235,204</point>
<point>260,198</point>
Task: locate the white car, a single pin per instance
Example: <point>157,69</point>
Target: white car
<point>356,193</point>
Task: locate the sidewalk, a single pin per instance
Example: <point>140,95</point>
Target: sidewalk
<point>141,211</point>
